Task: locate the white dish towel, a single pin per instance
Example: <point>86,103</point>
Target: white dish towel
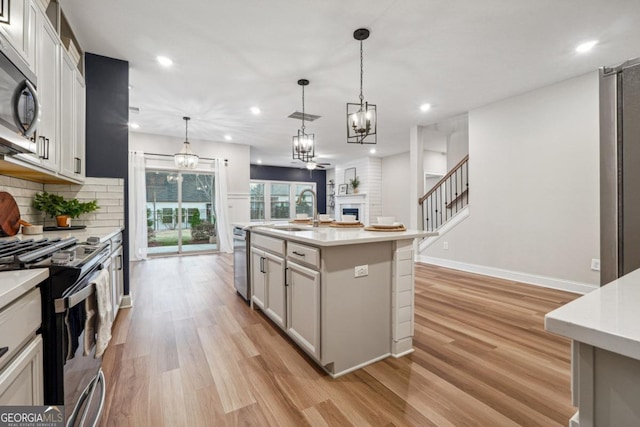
<point>105,313</point>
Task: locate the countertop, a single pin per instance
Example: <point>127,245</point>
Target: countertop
<point>329,236</point>
<point>608,317</point>
<point>14,284</point>
<point>105,233</point>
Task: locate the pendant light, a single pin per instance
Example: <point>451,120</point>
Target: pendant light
<point>186,158</point>
<point>362,119</point>
<point>303,143</point>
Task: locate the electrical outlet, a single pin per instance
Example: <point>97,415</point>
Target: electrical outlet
<point>595,264</point>
<point>361,270</point>
<point>445,246</point>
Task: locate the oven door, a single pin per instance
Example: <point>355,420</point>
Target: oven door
<point>84,385</point>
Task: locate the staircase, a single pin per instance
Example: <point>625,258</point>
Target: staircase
<point>447,199</point>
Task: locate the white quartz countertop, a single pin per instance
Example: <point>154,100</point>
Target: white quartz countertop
<point>105,233</point>
<point>608,317</point>
<point>329,236</point>
<point>14,284</point>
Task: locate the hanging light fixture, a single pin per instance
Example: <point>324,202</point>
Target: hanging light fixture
<point>303,143</point>
<point>186,158</point>
<point>362,119</point>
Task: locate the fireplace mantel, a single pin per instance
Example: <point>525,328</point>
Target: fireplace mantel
<point>356,200</point>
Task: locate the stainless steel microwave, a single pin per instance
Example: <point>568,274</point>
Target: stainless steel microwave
<point>19,107</point>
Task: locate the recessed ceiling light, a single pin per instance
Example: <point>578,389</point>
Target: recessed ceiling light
<point>425,107</point>
<point>134,125</point>
<point>372,151</point>
<point>164,61</point>
<point>255,110</point>
<point>228,137</point>
<point>586,46</point>
<point>259,162</point>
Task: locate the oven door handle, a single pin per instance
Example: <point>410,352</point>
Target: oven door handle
<point>62,304</point>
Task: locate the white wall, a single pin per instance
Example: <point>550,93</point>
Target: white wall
<point>394,187</point>
<point>433,161</point>
<point>238,174</point>
<point>457,147</point>
<point>534,187</point>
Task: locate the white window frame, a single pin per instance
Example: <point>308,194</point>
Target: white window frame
<point>292,197</point>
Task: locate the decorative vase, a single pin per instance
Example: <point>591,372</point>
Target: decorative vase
<point>63,220</point>
<point>356,190</point>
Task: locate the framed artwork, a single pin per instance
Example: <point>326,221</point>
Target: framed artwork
<point>342,189</point>
<point>4,11</point>
<point>349,174</point>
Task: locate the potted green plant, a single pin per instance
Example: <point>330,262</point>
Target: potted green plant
<point>355,183</point>
<point>60,209</point>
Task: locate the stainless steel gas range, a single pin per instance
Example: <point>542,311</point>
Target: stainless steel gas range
<point>72,376</point>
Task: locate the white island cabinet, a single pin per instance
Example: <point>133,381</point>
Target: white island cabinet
<point>604,327</point>
<point>345,296</point>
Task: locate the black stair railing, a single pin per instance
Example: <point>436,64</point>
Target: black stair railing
<point>447,197</point>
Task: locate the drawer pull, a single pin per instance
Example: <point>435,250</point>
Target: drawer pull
<point>3,351</point>
<point>298,253</point>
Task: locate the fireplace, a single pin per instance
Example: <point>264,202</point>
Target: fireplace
<point>353,204</point>
<point>351,211</point>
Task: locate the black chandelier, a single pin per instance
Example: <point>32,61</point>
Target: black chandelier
<point>303,143</point>
<point>362,123</point>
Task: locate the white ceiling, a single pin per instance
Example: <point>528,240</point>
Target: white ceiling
<point>231,55</point>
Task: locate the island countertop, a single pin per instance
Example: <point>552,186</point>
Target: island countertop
<point>329,236</point>
<point>608,317</point>
<point>13,284</point>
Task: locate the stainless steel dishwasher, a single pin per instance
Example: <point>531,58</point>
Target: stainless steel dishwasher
<point>241,261</point>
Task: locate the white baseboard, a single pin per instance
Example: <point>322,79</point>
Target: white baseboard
<point>126,301</point>
<point>532,279</point>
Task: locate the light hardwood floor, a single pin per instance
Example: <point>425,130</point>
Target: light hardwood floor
<point>192,353</point>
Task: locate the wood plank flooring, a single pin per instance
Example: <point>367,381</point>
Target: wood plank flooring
<point>192,353</point>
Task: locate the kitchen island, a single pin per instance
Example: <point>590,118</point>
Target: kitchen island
<point>604,327</point>
<point>344,295</point>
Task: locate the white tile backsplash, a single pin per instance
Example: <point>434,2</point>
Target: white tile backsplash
<point>109,192</point>
<point>23,192</point>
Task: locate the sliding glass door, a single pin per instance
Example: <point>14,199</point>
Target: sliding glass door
<point>180,212</point>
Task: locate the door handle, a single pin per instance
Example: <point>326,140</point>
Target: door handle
<point>299,253</point>
<point>40,147</point>
<point>47,155</point>
<point>78,165</point>
<point>3,351</point>
<point>286,271</point>
<point>262,265</point>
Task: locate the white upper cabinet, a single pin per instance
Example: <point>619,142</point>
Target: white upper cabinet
<point>71,119</point>
<point>60,136</point>
<point>48,72</point>
<point>21,29</point>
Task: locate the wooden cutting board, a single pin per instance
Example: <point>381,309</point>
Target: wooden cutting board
<point>9,215</point>
<point>336,225</point>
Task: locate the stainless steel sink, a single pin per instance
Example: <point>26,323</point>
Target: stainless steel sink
<point>288,228</point>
